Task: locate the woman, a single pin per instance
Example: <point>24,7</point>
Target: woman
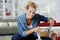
<point>27,24</point>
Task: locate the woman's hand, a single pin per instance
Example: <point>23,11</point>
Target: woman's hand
<point>33,30</point>
<point>36,29</point>
<point>51,21</point>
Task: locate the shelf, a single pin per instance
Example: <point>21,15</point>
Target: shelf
<point>8,17</point>
<point>1,1</point>
<point>16,5</point>
<point>1,6</point>
<point>8,6</point>
<point>1,13</point>
<point>1,9</point>
<point>1,17</point>
<point>8,3</point>
<point>16,9</point>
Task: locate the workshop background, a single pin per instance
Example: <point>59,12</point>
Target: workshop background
<point>10,9</point>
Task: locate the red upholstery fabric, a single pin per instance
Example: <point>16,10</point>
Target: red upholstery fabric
<point>57,38</point>
<point>48,24</point>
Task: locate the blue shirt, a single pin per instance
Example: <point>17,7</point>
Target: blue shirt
<point>22,26</point>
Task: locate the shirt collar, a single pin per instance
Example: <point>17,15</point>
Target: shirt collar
<point>24,18</point>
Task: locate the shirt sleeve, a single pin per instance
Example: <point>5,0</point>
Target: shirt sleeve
<point>42,18</point>
<point>21,30</point>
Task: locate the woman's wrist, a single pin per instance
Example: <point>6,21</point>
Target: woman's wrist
<point>32,30</point>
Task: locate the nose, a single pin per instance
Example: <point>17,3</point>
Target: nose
<point>31,13</point>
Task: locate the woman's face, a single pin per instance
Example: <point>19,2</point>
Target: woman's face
<point>30,12</point>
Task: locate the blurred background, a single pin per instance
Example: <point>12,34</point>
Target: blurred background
<point>10,9</point>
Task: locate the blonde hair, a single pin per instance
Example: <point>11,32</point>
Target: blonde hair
<point>32,4</point>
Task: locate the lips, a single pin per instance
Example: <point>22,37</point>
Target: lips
<point>30,16</point>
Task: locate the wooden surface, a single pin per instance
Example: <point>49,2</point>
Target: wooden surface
<point>44,34</point>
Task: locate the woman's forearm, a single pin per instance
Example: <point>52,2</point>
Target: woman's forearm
<point>33,30</point>
<point>29,31</point>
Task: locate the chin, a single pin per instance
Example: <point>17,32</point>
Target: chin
<point>30,17</point>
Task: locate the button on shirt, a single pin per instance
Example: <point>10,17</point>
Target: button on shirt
<point>23,27</point>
